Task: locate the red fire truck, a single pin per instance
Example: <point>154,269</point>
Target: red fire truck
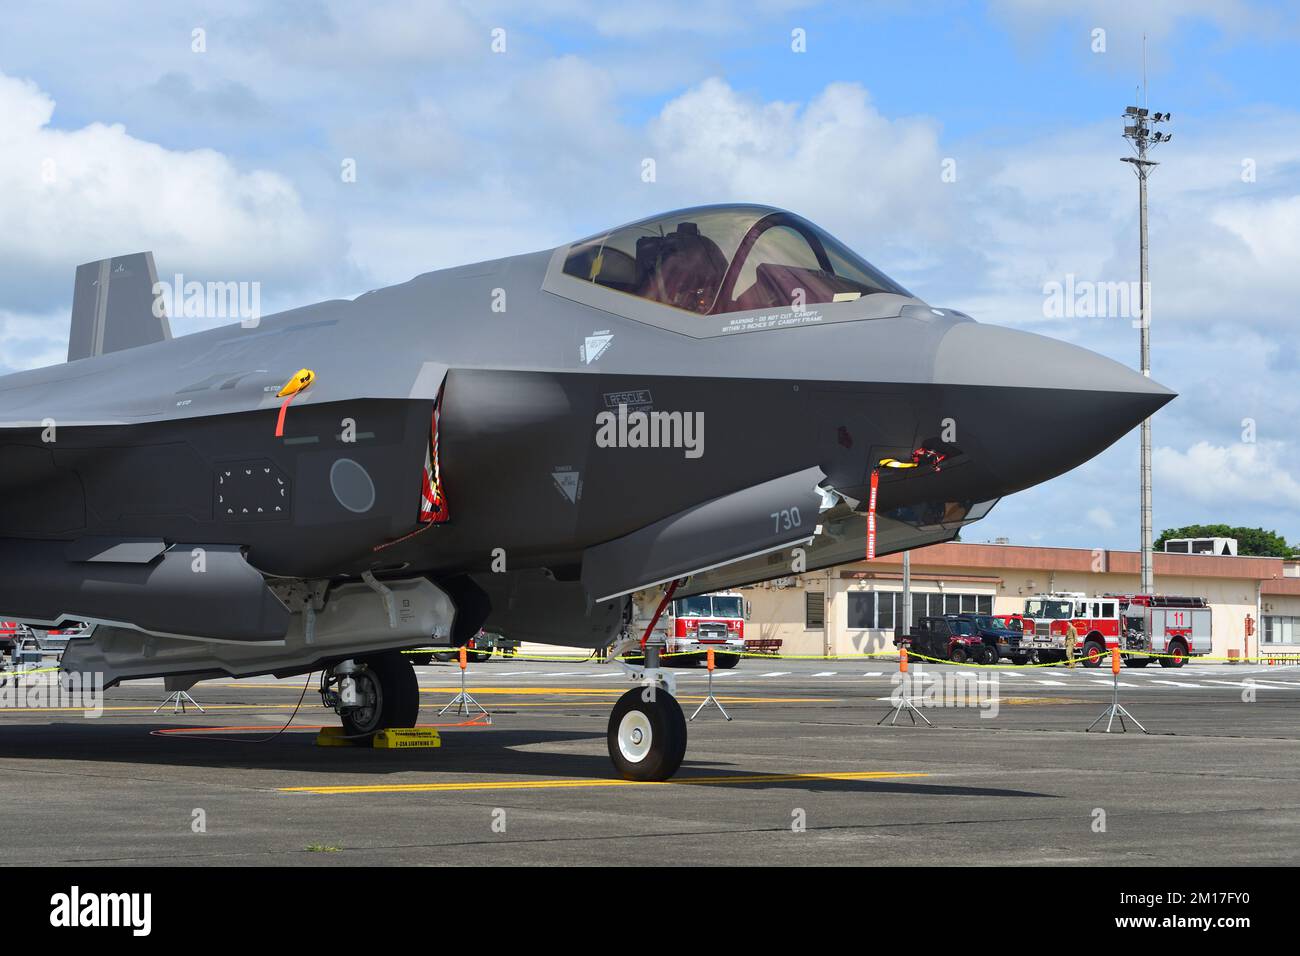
<point>1162,624</point>
<point>1046,617</point>
<point>691,625</point>
<point>10,633</point>
<point>1171,625</point>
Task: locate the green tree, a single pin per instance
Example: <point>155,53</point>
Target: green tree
<point>1250,541</point>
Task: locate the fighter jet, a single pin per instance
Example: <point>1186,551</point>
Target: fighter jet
<point>691,401</point>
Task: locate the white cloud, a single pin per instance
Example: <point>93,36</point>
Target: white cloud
<point>639,20</point>
<point>380,35</point>
<point>1158,18</point>
<point>1263,473</point>
<point>70,196</point>
<point>1267,247</point>
<point>836,159</point>
<point>32,341</point>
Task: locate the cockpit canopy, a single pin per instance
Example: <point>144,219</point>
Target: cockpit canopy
<point>712,260</point>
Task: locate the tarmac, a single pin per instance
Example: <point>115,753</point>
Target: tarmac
<point>803,775</point>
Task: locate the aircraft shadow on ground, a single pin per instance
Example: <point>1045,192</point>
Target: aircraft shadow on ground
<point>503,753</point>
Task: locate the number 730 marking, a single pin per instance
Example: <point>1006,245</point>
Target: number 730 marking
<point>785,519</point>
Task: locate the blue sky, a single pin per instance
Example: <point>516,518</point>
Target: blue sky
<point>119,136</point>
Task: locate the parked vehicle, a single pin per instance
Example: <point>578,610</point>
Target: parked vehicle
<point>1047,619</point>
<point>49,639</point>
<point>11,632</point>
<point>1173,626</point>
<point>1163,624</point>
<point>997,636</point>
<point>691,625</point>
<point>478,649</point>
<point>56,638</point>
<point>947,638</point>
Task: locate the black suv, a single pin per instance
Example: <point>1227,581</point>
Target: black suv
<point>999,640</point>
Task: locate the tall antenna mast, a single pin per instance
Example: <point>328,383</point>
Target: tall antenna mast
<point>1144,71</point>
<point>1138,131</point>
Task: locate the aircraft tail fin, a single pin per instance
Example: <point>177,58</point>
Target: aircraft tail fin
<point>113,306</point>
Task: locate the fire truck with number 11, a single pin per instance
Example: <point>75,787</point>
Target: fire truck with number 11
<point>1172,627</point>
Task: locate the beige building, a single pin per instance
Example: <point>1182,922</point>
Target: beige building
<point>853,608</point>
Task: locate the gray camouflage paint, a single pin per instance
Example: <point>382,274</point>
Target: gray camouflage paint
<point>149,437</point>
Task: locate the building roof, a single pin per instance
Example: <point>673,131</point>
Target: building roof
<point>1268,571</point>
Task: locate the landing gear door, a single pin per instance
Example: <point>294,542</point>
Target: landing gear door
<point>756,520</point>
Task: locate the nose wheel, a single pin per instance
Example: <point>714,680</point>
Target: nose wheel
<point>647,738</point>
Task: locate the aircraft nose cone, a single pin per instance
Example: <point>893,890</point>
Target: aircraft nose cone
<point>1031,407</point>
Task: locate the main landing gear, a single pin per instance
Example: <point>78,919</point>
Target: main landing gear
<point>372,693</point>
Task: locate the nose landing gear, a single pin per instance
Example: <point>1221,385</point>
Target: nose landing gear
<point>647,734</point>
<point>647,729</point>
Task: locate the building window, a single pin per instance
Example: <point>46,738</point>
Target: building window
<point>1279,629</point>
<point>925,604</point>
<point>862,609</point>
<point>887,601</point>
<point>814,610</point>
<point>918,607</point>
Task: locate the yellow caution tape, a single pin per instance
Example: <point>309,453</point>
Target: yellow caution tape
<point>21,673</point>
<point>891,655</point>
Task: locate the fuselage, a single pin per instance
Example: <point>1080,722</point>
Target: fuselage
<point>161,440</point>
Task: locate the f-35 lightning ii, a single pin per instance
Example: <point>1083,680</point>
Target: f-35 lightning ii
<point>522,445</point>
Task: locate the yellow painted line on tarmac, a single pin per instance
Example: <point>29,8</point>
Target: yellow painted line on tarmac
<point>538,691</point>
<point>152,708</point>
<point>579,692</point>
<point>478,690</point>
<point>149,708</point>
<point>1031,701</point>
<point>589,692</point>
<point>684,700</point>
<point>574,784</point>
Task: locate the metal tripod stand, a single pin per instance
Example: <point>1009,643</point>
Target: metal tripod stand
<point>905,706</point>
<point>1116,709</point>
<point>178,699</point>
<point>711,699</point>
<point>463,702</point>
